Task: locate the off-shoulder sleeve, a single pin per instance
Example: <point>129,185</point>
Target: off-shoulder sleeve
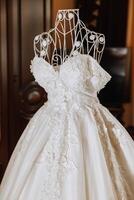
<point>99,77</point>
<point>40,71</point>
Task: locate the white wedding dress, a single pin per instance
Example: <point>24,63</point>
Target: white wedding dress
<point>73,148</point>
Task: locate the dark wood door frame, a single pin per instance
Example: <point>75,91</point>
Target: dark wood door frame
<point>3,88</point>
<point>20,21</point>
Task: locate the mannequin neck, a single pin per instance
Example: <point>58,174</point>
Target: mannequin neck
<point>65,18</point>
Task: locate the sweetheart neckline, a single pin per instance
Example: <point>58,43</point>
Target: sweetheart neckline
<point>66,61</point>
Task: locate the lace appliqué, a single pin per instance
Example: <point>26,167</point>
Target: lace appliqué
<point>118,128</point>
<point>99,77</point>
<point>57,158</point>
<point>110,132</point>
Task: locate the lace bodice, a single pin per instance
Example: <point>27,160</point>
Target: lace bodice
<point>80,75</point>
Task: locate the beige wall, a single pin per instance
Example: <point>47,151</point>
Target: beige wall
<point>129,108</point>
<point>61,4</point>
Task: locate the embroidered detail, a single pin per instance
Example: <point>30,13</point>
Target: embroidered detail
<point>113,138</point>
<point>57,157</point>
<point>99,77</point>
<point>74,73</point>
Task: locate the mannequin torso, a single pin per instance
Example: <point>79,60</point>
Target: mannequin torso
<point>69,35</point>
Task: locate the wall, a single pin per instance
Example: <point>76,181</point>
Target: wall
<point>61,4</point>
<point>129,108</point>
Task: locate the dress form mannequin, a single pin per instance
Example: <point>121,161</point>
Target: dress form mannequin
<point>73,148</point>
<point>68,36</point>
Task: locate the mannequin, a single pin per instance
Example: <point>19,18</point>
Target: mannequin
<point>68,36</point>
<point>73,148</point>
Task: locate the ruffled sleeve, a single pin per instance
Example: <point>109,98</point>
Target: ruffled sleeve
<point>41,71</point>
<point>99,77</point>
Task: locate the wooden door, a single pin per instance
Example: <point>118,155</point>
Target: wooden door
<point>20,96</point>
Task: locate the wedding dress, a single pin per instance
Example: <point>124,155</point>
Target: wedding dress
<point>73,148</point>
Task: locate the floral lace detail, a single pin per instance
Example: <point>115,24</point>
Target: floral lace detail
<point>117,127</point>
<point>110,131</point>
<point>73,73</point>
<point>99,76</point>
<point>57,158</point>
<point>43,73</point>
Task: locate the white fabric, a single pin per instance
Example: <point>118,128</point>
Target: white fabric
<point>73,148</point>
